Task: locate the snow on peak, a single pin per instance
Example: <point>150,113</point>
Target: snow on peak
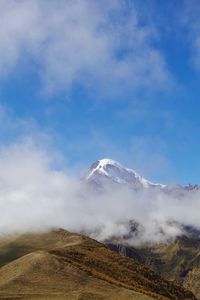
<point>108,161</point>
<point>113,170</point>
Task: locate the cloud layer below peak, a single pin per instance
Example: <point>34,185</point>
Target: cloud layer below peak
<point>36,196</point>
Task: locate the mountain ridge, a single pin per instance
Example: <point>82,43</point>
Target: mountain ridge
<point>108,171</point>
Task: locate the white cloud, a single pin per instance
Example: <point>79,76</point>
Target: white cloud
<point>35,196</point>
<point>87,42</point>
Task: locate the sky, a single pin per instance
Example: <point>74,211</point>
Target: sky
<point>85,79</point>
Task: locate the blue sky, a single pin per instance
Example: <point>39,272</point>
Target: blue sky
<point>92,79</point>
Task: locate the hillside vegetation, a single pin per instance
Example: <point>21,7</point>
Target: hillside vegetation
<point>63,265</point>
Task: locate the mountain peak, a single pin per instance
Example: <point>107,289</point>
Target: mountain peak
<point>103,163</point>
<point>109,169</point>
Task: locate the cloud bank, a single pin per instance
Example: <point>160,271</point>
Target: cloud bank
<point>87,42</point>
<point>36,196</point>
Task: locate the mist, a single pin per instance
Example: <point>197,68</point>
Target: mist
<point>34,195</point>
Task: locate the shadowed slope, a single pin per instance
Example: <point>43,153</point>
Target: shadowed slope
<point>177,260</point>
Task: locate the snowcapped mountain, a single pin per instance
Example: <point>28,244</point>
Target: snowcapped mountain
<point>108,170</point>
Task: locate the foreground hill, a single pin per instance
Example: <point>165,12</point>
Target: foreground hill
<point>177,261</point>
<point>63,265</point>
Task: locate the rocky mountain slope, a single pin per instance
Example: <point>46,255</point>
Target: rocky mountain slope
<point>63,265</point>
<point>177,261</point>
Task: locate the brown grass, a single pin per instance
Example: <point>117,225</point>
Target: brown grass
<point>63,265</point>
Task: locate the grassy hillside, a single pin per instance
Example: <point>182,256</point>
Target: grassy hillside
<point>62,265</point>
